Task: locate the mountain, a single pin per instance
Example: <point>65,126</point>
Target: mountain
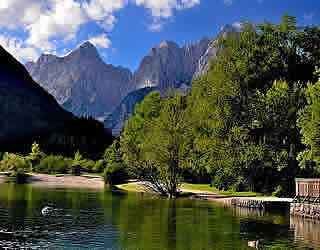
<point>169,65</point>
<point>81,82</point>
<point>25,108</point>
<point>125,109</point>
<point>211,51</point>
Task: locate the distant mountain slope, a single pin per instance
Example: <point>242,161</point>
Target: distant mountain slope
<point>126,108</point>
<point>25,108</point>
<point>211,52</point>
<point>169,65</point>
<point>81,82</point>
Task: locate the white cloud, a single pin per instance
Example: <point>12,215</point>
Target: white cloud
<point>237,25</point>
<point>108,23</point>
<point>164,9</point>
<point>228,2</point>
<point>101,41</point>
<point>16,48</point>
<point>63,19</point>
<point>155,27</point>
<point>44,21</point>
<point>308,16</point>
<point>190,3</point>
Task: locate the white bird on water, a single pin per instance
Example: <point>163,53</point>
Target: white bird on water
<point>47,211</point>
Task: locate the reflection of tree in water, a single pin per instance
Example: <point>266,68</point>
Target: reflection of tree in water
<point>146,223</point>
<point>306,231</point>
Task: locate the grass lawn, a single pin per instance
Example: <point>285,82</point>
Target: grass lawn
<point>206,187</point>
<point>131,187</point>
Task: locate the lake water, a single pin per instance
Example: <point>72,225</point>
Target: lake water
<point>95,219</point>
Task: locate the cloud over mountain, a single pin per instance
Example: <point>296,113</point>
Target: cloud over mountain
<point>42,24</point>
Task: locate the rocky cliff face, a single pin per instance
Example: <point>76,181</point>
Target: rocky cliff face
<point>81,82</point>
<point>169,65</point>
<point>25,108</point>
<point>211,52</point>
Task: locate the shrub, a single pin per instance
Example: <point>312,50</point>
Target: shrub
<point>98,166</point>
<point>14,163</point>
<point>89,166</point>
<point>54,165</point>
<point>279,192</point>
<point>115,174</point>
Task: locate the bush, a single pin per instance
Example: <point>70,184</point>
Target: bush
<point>279,192</point>
<point>115,174</point>
<point>240,185</point>
<point>98,166</point>
<point>14,163</point>
<point>222,180</point>
<point>54,165</point>
<point>89,166</point>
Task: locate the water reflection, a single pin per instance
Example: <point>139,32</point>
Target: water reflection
<point>306,231</point>
<point>101,219</point>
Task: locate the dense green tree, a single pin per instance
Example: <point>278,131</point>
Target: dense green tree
<point>136,128</point>
<point>115,171</point>
<point>163,149</point>
<point>77,163</point>
<point>309,123</point>
<point>35,156</point>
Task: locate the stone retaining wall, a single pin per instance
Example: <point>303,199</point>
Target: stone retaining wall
<point>247,203</point>
<point>305,210</point>
<point>262,203</point>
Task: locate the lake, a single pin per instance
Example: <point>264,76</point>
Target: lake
<point>101,219</point>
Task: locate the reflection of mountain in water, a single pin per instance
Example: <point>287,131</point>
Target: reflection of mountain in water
<point>306,231</point>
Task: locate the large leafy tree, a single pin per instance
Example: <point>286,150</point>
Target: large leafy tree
<point>309,123</point>
<point>163,149</point>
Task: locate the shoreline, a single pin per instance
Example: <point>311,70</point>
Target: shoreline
<point>65,181</point>
<point>212,196</point>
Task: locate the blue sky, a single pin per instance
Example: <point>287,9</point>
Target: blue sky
<point>125,30</point>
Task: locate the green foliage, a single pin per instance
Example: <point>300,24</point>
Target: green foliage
<point>77,163</point>
<point>309,123</point>
<point>14,163</point>
<point>239,121</point>
<point>98,166</point>
<point>17,165</point>
<point>115,172</point>
<point>54,165</point>
<point>35,156</point>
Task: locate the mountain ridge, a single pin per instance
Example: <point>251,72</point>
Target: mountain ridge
<point>84,90</point>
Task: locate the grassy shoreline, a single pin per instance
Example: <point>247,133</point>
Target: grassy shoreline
<point>193,189</point>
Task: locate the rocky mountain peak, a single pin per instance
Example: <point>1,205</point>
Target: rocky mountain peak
<point>85,50</point>
<point>46,58</point>
<point>81,81</point>
<point>168,44</point>
<point>227,30</point>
